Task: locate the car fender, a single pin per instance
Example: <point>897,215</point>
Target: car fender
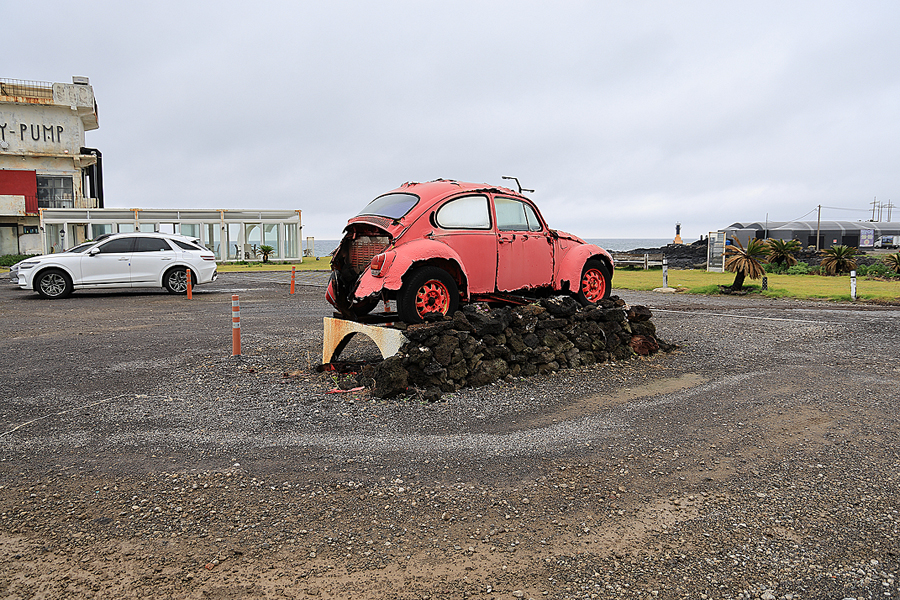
<point>569,268</point>
<point>417,252</point>
<point>31,277</point>
<point>160,278</point>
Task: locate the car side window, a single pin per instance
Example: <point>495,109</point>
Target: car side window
<point>470,212</point>
<point>514,215</point>
<point>186,246</point>
<point>117,246</point>
<point>151,244</point>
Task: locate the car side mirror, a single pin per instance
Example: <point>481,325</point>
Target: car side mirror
<point>94,251</point>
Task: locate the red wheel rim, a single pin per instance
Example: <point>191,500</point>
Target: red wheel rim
<point>593,285</point>
<point>433,297</point>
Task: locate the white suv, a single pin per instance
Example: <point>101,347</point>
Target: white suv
<point>121,260</point>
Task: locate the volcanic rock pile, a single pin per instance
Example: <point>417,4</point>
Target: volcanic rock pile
<point>480,344</point>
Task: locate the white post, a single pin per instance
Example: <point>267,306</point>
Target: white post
<point>665,272</point>
<point>853,285</point>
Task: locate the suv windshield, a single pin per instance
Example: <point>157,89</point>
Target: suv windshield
<point>392,206</point>
<point>81,247</point>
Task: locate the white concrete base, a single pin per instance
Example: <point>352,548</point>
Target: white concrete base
<point>338,333</point>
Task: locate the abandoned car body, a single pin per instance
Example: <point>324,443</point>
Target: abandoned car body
<point>430,246</point>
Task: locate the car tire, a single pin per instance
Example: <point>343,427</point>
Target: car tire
<point>175,280</point>
<point>53,284</point>
<point>428,290</point>
<point>595,283</point>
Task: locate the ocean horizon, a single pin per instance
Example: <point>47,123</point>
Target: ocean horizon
<point>326,247</point>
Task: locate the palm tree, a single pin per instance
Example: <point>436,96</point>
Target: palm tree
<point>265,251</point>
<point>838,259</point>
<point>745,263</point>
<point>892,261</point>
<point>781,252</point>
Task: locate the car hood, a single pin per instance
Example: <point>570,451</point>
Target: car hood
<point>33,259</point>
<point>567,236</point>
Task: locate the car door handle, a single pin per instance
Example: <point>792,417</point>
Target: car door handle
<point>124,258</point>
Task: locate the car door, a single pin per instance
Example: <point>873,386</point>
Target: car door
<point>464,224</point>
<point>108,264</point>
<point>524,248</point>
<point>152,256</point>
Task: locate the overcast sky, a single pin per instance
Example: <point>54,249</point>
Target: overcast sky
<point>625,117</point>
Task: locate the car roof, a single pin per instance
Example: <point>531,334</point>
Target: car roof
<point>442,187</point>
<point>171,236</point>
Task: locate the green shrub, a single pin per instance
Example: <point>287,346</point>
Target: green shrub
<point>776,268</point>
<point>875,270</point>
<point>801,268</point>
<point>9,260</point>
<point>817,270</point>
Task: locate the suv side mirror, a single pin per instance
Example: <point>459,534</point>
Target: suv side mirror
<point>94,251</point>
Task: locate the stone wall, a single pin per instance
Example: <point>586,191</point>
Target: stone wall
<point>480,344</point>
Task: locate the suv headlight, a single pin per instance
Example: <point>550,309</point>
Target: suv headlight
<point>24,266</point>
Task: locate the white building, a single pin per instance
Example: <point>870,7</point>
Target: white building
<point>51,185</point>
<point>43,159</point>
<point>232,235</point>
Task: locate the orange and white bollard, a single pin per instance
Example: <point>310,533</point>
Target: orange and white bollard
<point>235,326</point>
<point>190,294</point>
<point>293,277</point>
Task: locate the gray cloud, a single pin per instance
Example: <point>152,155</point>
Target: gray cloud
<point>625,117</point>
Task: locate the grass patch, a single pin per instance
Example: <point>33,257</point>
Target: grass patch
<point>780,286</point>
<point>308,264</point>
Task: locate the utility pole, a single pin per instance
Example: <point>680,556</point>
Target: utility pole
<point>874,204</point>
<point>818,227</point>
<point>889,206</point>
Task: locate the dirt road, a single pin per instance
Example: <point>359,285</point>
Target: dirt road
<point>138,459</point>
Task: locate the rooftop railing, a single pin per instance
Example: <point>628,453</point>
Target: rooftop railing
<point>25,88</point>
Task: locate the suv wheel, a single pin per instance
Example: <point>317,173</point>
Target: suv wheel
<point>175,280</point>
<point>53,284</point>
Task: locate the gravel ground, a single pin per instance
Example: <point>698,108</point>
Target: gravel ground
<point>138,458</point>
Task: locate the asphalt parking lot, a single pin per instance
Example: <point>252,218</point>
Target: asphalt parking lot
<point>137,457</point>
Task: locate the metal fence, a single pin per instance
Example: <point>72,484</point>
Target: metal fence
<point>26,88</point>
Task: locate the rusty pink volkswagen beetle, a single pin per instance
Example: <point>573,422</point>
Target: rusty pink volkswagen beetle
<point>430,246</point>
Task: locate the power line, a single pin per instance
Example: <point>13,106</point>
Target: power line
<point>798,218</point>
<point>853,209</point>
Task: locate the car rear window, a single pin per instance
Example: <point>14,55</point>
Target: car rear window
<point>186,246</point>
<point>392,206</point>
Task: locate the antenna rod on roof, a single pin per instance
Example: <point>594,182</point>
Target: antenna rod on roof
<point>521,189</point>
